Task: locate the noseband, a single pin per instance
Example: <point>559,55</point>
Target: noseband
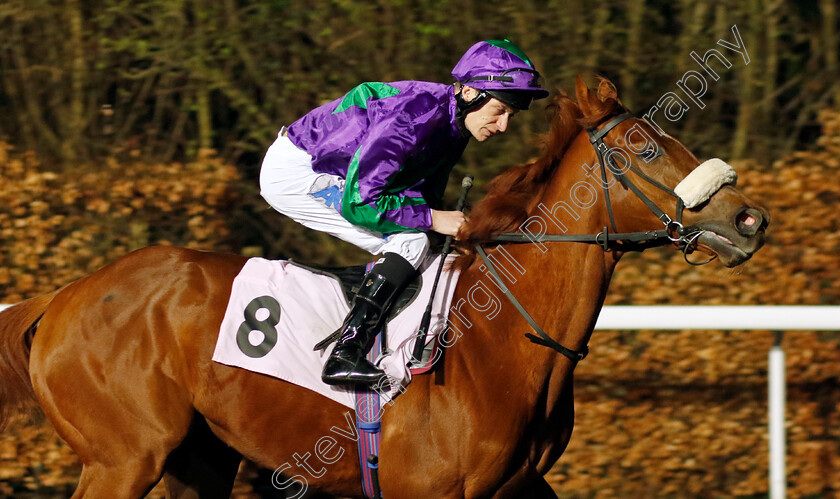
<point>673,232</point>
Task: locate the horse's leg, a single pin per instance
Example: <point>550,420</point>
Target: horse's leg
<point>128,478</point>
<point>201,467</point>
<point>109,372</point>
<point>538,489</point>
<point>123,446</point>
<point>125,464</point>
<point>123,442</point>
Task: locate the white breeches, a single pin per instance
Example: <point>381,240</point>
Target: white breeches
<point>313,199</point>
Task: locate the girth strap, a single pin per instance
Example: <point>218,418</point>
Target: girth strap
<point>543,339</point>
<point>369,424</point>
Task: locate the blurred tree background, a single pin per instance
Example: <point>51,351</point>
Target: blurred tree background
<point>162,80</point>
<point>83,79</point>
<point>134,122</point>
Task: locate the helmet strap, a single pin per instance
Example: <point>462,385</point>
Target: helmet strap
<point>465,107</point>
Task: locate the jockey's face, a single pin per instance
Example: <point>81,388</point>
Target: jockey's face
<point>488,120</point>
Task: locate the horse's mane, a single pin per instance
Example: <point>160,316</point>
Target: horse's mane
<point>505,206</point>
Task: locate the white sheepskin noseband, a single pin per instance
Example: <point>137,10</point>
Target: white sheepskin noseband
<point>704,181</point>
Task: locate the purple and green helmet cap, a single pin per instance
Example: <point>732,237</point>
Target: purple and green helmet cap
<point>501,69</point>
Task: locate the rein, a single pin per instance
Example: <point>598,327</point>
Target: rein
<point>542,339</point>
<point>673,232</point>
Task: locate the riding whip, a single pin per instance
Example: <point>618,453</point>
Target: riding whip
<point>417,355</point>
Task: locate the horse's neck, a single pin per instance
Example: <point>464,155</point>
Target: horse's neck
<point>562,285</point>
<point>562,289</point>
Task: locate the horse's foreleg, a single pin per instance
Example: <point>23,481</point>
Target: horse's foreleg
<point>202,467</point>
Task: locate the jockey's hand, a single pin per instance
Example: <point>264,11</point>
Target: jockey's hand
<point>447,222</point>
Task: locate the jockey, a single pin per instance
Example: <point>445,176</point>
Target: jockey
<point>371,168</point>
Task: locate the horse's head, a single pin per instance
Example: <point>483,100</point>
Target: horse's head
<point>619,178</point>
<point>654,182</point>
<point>653,176</point>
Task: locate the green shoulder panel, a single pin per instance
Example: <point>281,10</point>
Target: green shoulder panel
<point>360,95</point>
<point>359,213</point>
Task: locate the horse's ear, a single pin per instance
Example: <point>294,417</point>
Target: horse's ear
<point>606,90</point>
<point>582,95</point>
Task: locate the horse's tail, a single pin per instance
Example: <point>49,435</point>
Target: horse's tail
<point>17,328</point>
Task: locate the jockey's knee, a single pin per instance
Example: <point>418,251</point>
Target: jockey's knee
<point>413,246</point>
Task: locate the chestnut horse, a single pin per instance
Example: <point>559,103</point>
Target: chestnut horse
<point>120,361</point>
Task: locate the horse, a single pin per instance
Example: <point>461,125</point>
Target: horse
<point>120,360</point>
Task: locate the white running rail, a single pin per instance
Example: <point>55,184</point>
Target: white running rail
<point>776,318</point>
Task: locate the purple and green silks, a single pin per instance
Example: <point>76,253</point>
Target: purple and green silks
<point>394,144</point>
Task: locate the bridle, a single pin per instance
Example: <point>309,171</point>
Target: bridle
<point>673,232</point>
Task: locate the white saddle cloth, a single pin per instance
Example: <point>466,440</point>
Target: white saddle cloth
<point>278,311</point>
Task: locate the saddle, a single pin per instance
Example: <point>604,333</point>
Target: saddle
<point>350,278</point>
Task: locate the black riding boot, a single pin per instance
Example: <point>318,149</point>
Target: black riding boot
<point>347,363</point>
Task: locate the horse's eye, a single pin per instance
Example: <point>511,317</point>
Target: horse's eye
<point>649,154</point>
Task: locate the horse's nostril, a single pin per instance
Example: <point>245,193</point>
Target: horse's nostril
<point>749,221</point>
